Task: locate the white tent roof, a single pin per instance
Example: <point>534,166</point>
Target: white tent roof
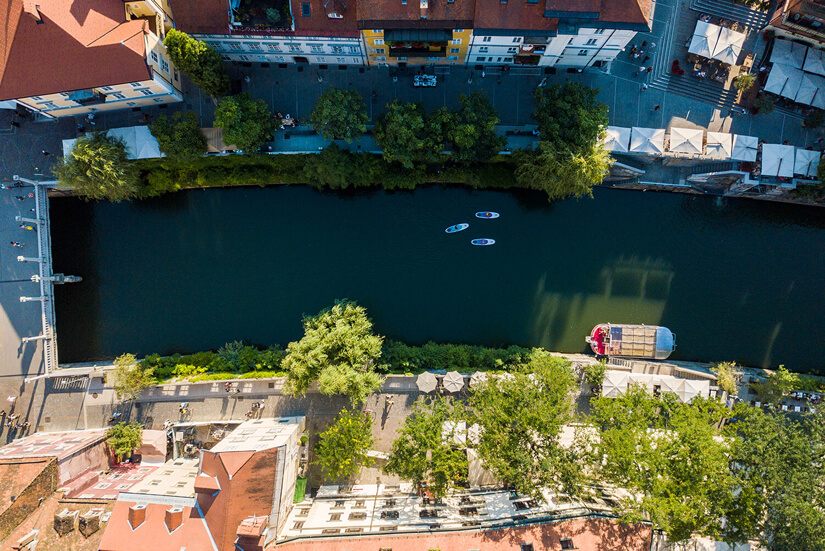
<point>777,160</point>
<point>704,39</point>
<point>788,52</point>
<point>617,139</point>
<point>616,382</point>
<point>809,87</point>
<point>806,162</point>
<point>728,46</point>
<point>784,80</point>
<point>691,389</point>
<point>478,378</point>
<point>814,62</point>
<point>140,143</point>
<point>686,140</point>
<point>720,145</point>
<point>647,140</point>
<point>744,148</point>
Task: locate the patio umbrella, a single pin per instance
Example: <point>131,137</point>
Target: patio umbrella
<point>617,139</point>
<point>458,431</point>
<point>453,381</point>
<point>791,87</point>
<point>427,382</point>
<point>809,87</point>
<point>744,148</point>
<point>686,140</point>
<point>777,160</point>
<point>477,379</point>
<point>720,145</point>
<point>778,78</point>
<point>704,39</point>
<point>814,62</point>
<point>729,46</point>
<point>788,53</point>
<point>806,162</point>
<point>647,140</point>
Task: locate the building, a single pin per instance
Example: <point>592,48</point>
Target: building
<point>60,58</point>
<point>312,31</point>
<point>26,482</point>
<point>803,20</point>
<point>555,33</point>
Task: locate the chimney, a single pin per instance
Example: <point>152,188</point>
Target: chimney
<point>33,10</point>
<point>89,523</point>
<point>174,518</point>
<point>137,514</point>
<point>64,521</point>
<point>423,9</point>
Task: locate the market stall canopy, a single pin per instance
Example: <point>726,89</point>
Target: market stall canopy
<point>777,160</point>
<point>647,140</point>
<point>809,87</point>
<point>427,382</point>
<point>686,140</point>
<point>784,80</point>
<point>704,39</point>
<point>788,53</point>
<point>617,139</point>
<point>744,148</point>
<point>814,62</point>
<point>453,381</point>
<point>140,143</point>
<point>806,162</point>
<point>720,145</point>
<point>728,46</point>
<point>616,383</point>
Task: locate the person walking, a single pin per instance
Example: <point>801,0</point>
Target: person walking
<point>645,59</point>
<point>644,87</point>
<point>656,108</point>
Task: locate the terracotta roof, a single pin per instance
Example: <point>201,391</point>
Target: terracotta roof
<point>90,44</point>
<point>152,532</point>
<point>201,16</point>
<point>514,15</point>
<point>320,23</point>
<point>16,475</point>
<point>206,484</point>
<point>625,11</point>
<point>519,15</point>
<point>52,444</point>
<point>233,461</point>
<point>439,12</point>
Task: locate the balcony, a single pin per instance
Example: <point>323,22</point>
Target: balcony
<point>417,49</point>
<point>526,60</point>
<point>531,49</point>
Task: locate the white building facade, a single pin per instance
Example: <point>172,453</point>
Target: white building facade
<point>288,49</point>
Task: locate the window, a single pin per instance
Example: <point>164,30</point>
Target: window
<point>455,50</point>
<point>532,1</point>
<point>380,58</point>
<point>135,84</point>
<point>455,41</point>
<point>329,531</point>
<point>353,530</point>
<point>566,543</point>
<point>341,60</point>
<point>164,65</point>
<point>458,31</point>
<point>235,46</point>
<point>180,484</point>
<point>305,9</point>
<point>243,57</point>
<point>298,525</point>
<point>339,504</point>
<point>378,41</point>
<point>591,42</point>
<point>526,547</point>
<point>481,59</point>
<point>358,516</point>
<point>517,39</point>
<point>359,504</point>
<point>486,38</point>
<point>483,49</point>
<point>294,47</point>
<point>254,46</point>
<point>337,49</point>
<point>48,105</point>
<point>280,58</point>
<point>36,98</point>
<point>316,48</point>
<point>154,55</point>
<point>303,512</point>
<point>508,59</point>
<point>335,517</point>
<point>154,483</point>
<point>388,529</point>
<point>582,52</point>
<point>176,75</point>
<point>117,95</point>
<point>131,103</point>
<point>64,94</point>
<point>321,59</point>
<point>512,50</point>
<point>353,49</point>
<point>273,47</point>
<point>598,31</point>
<point>146,92</point>
<point>107,88</point>
<point>452,58</point>
<point>377,31</point>
<point>379,50</point>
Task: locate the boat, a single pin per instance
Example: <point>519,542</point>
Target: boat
<point>483,242</point>
<point>457,228</point>
<point>487,215</point>
<point>632,341</point>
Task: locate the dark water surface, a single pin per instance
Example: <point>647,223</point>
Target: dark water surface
<point>734,279</point>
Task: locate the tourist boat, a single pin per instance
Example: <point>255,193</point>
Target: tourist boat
<point>487,215</point>
<point>483,242</point>
<point>632,341</point>
<point>457,228</point>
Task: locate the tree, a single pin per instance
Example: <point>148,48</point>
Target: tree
<point>131,377</point>
<point>594,373</point>
<point>98,168</point>
<point>198,61</point>
<point>727,377</point>
<point>562,172</point>
<point>777,385</point>
<point>406,135</point>
<point>814,119</point>
<point>123,438</point>
<point>744,82</point>
<point>338,350</point>
<point>763,104</point>
<point>570,116</point>
<point>247,123</point>
<point>180,136</point>
<point>342,448</point>
<point>473,130</point>
<point>427,450</point>
<point>340,115</point>
<point>520,419</point>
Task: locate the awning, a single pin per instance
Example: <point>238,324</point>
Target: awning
<point>744,148</point>
<point>777,160</point>
<point>720,145</point>
<point>418,35</point>
<point>809,87</point>
<point>788,53</point>
<point>814,62</point>
<point>728,46</point>
<point>704,39</point>
<point>617,139</point>
<point>806,162</point>
<point>647,140</point>
<point>686,140</point>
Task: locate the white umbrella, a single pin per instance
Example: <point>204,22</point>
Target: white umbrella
<point>453,381</point>
<point>720,145</point>
<point>647,140</point>
<point>788,52</point>
<point>478,378</point>
<point>814,62</point>
<point>744,148</point>
<point>777,160</point>
<point>458,432</point>
<point>729,46</point>
<point>427,382</point>
<point>686,140</point>
<point>704,39</point>
<point>809,88</point>
<point>617,138</point>
<point>806,162</point>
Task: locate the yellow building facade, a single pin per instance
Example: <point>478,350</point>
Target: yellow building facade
<point>392,48</point>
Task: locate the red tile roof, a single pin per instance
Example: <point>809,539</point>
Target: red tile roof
<point>79,44</point>
<point>520,15</point>
<point>201,16</point>
<point>625,11</point>
<point>515,15</point>
<point>319,23</point>
<point>152,534</point>
<point>392,13</point>
<point>17,475</point>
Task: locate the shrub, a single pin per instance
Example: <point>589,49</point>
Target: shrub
<point>763,104</point>
<point>594,374</point>
<point>744,82</point>
<point>727,377</point>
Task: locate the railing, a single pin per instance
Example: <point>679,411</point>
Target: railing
<point>44,248</point>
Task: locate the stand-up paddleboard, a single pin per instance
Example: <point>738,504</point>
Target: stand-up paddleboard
<point>487,215</point>
<point>483,242</point>
<point>457,228</point>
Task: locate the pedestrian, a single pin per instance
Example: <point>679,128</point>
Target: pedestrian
<point>651,47</point>
<point>633,50</point>
<point>644,87</point>
<point>645,59</point>
<point>237,390</point>
<point>30,195</point>
<point>19,197</point>
<point>656,107</point>
<point>820,140</point>
<point>228,386</point>
<point>45,153</point>
<point>15,124</point>
<point>636,55</point>
<point>644,43</point>
<point>483,73</point>
<point>650,69</point>
<point>81,129</point>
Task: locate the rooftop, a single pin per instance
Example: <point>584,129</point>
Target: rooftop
<point>203,17</point>
<point>175,478</point>
<point>383,14</point>
<point>52,444</point>
<point>122,478</point>
<point>153,532</point>
<point>16,475</point>
<point>259,434</point>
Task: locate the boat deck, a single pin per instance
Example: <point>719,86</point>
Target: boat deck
<point>632,340</point>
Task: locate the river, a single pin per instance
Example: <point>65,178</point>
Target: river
<point>734,279</point>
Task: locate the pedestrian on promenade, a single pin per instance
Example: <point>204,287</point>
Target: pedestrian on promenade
<point>644,43</point>
<point>228,386</point>
<point>19,197</point>
<point>633,50</point>
<point>15,124</point>
<point>650,69</point>
<point>656,107</point>
<point>645,59</point>
<point>636,55</point>
<point>651,47</point>
<point>644,87</point>
<point>30,195</point>
<point>45,153</point>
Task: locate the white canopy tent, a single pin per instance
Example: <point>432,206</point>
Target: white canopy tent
<point>777,160</point>
<point>616,383</point>
<point>814,62</point>
<point>728,46</point>
<point>744,148</point>
<point>788,53</point>
<point>720,145</point>
<point>140,143</point>
<point>704,39</point>
<point>647,140</point>
<point>809,87</point>
<point>686,140</point>
<point>784,80</point>
<point>806,162</point>
<point>617,139</point>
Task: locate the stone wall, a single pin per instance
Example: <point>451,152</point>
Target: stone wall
<point>42,486</point>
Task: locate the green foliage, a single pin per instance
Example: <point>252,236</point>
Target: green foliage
<point>273,15</point>
<point>569,116</point>
<point>179,137</point>
<point>727,377</point>
<point>247,123</point>
<point>230,361</point>
<point>561,172</point>
<point>594,373</point>
<point>777,385</point>
<point>131,377</point>
<point>123,438</point>
<point>338,350</point>
<point>744,82</point>
<point>520,419</point>
<point>472,130</point>
<point>763,104</point>
<point>342,448</point>
<point>426,452</point>
<point>398,133</point>
<point>402,358</point>
<point>336,168</point>
<point>814,119</point>
<point>340,115</point>
<point>98,168</point>
<point>198,61</point>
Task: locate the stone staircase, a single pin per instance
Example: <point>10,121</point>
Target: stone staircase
<point>752,19</point>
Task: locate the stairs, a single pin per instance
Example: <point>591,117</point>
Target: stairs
<point>718,166</point>
<point>752,19</point>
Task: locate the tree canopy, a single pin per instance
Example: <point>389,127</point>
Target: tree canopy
<point>472,130</point>
<point>98,168</point>
<point>426,453</point>
<point>247,123</point>
<point>198,61</point>
<point>406,135</point>
<point>777,385</point>
<point>131,377</point>
<point>342,448</point>
<point>569,115</point>
<point>340,115</point>
<point>562,172</point>
<point>123,438</point>
<point>179,137</point>
<point>338,350</point>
